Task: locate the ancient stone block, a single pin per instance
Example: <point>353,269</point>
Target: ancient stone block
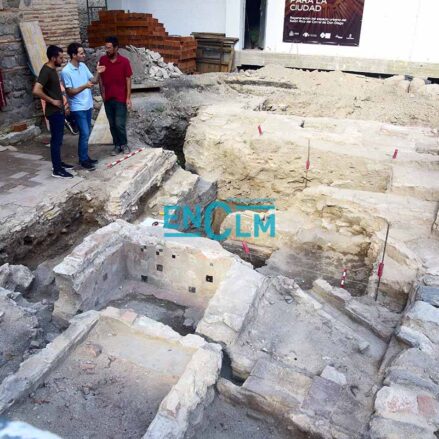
<point>322,397</point>
<point>15,278</point>
<point>428,294</point>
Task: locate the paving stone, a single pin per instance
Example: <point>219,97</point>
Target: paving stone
<point>350,414</point>
<point>424,318</point>
<point>19,175</point>
<point>396,401</point>
<point>334,375</point>
<point>415,339</point>
<point>404,377</point>
<point>17,188</point>
<point>418,362</point>
<point>27,156</point>
<point>278,384</point>
<point>322,397</point>
<point>429,295</point>
<point>428,407</point>
<point>382,428</point>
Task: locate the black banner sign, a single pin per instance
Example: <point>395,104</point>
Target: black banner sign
<point>336,22</point>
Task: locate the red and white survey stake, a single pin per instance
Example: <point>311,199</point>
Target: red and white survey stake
<point>395,154</point>
<point>343,278</point>
<point>111,165</point>
<point>260,130</point>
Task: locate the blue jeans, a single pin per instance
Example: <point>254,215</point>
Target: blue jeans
<point>83,120</point>
<point>56,124</point>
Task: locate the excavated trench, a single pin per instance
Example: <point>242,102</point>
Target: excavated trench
<point>164,123</point>
<point>49,238</point>
<point>165,126</point>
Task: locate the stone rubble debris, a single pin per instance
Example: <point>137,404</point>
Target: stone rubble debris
<point>147,65</point>
<point>16,278</point>
<point>153,65</point>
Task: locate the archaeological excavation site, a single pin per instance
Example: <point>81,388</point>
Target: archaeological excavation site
<point>263,263</point>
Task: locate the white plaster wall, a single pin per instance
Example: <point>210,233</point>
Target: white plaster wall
<point>235,21</point>
<point>392,29</point>
<point>115,4</point>
<point>181,17</point>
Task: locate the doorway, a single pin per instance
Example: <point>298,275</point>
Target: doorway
<point>255,18</point>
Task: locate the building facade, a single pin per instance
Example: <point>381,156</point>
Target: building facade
<point>396,37</point>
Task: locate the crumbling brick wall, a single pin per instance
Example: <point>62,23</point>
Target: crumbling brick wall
<point>58,19</point>
<point>60,25</point>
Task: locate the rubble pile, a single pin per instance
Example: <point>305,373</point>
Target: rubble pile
<point>147,65</point>
<point>153,65</point>
<point>143,30</point>
<point>25,327</point>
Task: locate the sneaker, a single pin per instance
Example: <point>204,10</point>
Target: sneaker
<point>125,149</point>
<point>66,165</point>
<point>87,165</point>
<point>62,173</point>
<point>92,161</point>
<point>116,150</point>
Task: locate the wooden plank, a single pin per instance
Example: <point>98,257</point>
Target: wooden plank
<point>35,45</point>
<point>36,50</point>
<point>101,134</point>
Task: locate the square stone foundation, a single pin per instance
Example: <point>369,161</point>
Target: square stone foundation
<point>114,374</point>
<point>196,273</point>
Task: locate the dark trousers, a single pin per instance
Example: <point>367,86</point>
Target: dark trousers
<point>117,118</point>
<point>56,124</point>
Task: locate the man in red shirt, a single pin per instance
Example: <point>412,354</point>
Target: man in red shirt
<point>115,85</point>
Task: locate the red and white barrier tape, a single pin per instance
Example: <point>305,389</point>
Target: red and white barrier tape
<point>111,165</point>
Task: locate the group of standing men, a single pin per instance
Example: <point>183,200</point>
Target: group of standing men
<point>113,73</point>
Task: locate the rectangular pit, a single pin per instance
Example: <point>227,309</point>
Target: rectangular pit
<point>109,375</point>
<point>121,263</point>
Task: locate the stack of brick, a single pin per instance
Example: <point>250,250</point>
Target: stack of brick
<point>143,30</point>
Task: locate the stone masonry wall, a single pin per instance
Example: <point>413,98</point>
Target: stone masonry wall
<point>60,25</point>
<point>58,19</point>
<point>83,19</point>
<point>16,74</point>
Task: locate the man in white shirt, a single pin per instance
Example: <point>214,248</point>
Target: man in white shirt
<point>78,82</point>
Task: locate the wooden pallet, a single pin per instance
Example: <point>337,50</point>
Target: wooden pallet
<point>215,52</point>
